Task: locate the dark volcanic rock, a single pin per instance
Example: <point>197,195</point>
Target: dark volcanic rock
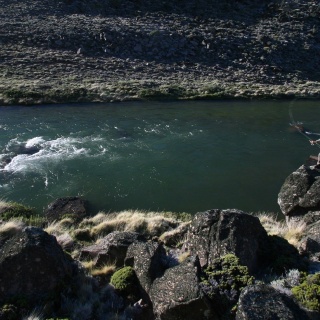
<point>148,261</point>
<point>177,296</point>
<point>264,302</point>
<point>112,248</point>
<point>32,266</point>
<point>74,206</point>
<point>215,233</point>
<point>310,244</point>
<point>300,194</point>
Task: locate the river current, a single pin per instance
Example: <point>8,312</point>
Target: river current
<point>175,156</point>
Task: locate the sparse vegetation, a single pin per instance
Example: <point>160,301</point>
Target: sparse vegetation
<point>293,231</point>
<point>223,282</point>
<point>148,223</point>
<point>308,292</point>
<point>9,228</point>
<point>9,210</point>
<point>104,270</point>
<point>286,282</point>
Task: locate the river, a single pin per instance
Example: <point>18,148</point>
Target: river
<point>174,156</point>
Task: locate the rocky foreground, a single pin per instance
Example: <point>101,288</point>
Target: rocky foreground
<point>113,50</point>
<point>218,264</point>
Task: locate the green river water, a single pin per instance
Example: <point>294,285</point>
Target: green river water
<point>175,156</point>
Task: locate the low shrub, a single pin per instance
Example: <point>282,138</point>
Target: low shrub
<point>223,281</point>
<point>308,292</point>
<point>286,282</point>
<point>9,210</point>
<point>125,280</point>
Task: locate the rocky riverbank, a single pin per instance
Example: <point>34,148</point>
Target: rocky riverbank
<point>217,264</point>
<point>113,50</point>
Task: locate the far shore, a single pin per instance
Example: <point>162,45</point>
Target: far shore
<point>75,51</point>
<point>28,92</point>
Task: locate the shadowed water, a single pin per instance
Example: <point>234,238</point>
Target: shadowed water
<point>177,156</point>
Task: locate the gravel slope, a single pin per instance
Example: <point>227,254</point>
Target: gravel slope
<point>107,50</point>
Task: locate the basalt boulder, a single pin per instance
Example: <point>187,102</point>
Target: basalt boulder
<point>148,259</point>
<point>310,244</point>
<point>177,296</point>
<point>264,302</point>
<point>74,206</point>
<point>111,249</point>
<point>33,267</point>
<point>215,233</point>
<point>299,196</point>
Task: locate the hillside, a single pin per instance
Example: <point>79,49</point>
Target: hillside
<point>81,50</point>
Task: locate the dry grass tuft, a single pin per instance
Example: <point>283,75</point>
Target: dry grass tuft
<point>104,271</point>
<point>89,265</point>
<point>271,224</point>
<point>11,227</point>
<point>148,223</point>
<point>58,228</point>
<point>175,236</point>
<point>293,231</point>
<point>98,218</point>
<point>183,256</point>
<point>66,222</point>
<point>5,205</point>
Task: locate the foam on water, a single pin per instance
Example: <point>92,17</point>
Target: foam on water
<point>51,152</point>
<point>34,142</point>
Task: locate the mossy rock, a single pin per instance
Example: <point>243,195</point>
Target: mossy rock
<point>308,292</point>
<point>125,280</point>
<point>16,210</point>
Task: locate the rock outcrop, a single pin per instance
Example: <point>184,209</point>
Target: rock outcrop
<point>260,302</point>
<point>32,266</point>
<point>148,261</point>
<point>299,197</point>
<point>111,249</point>
<point>74,206</point>
<point>215,233</point>
<point>177,296</point>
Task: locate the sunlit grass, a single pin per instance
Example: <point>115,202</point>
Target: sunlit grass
<point>147,223</point>
<point>11,227</point>
<point>293,231</point>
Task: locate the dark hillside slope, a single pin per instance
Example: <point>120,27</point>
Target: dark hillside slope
<point>82,50</point>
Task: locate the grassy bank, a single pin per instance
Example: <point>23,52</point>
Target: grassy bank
<point>30,93</point>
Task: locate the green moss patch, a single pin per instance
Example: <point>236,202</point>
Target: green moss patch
<point>125,280</point>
